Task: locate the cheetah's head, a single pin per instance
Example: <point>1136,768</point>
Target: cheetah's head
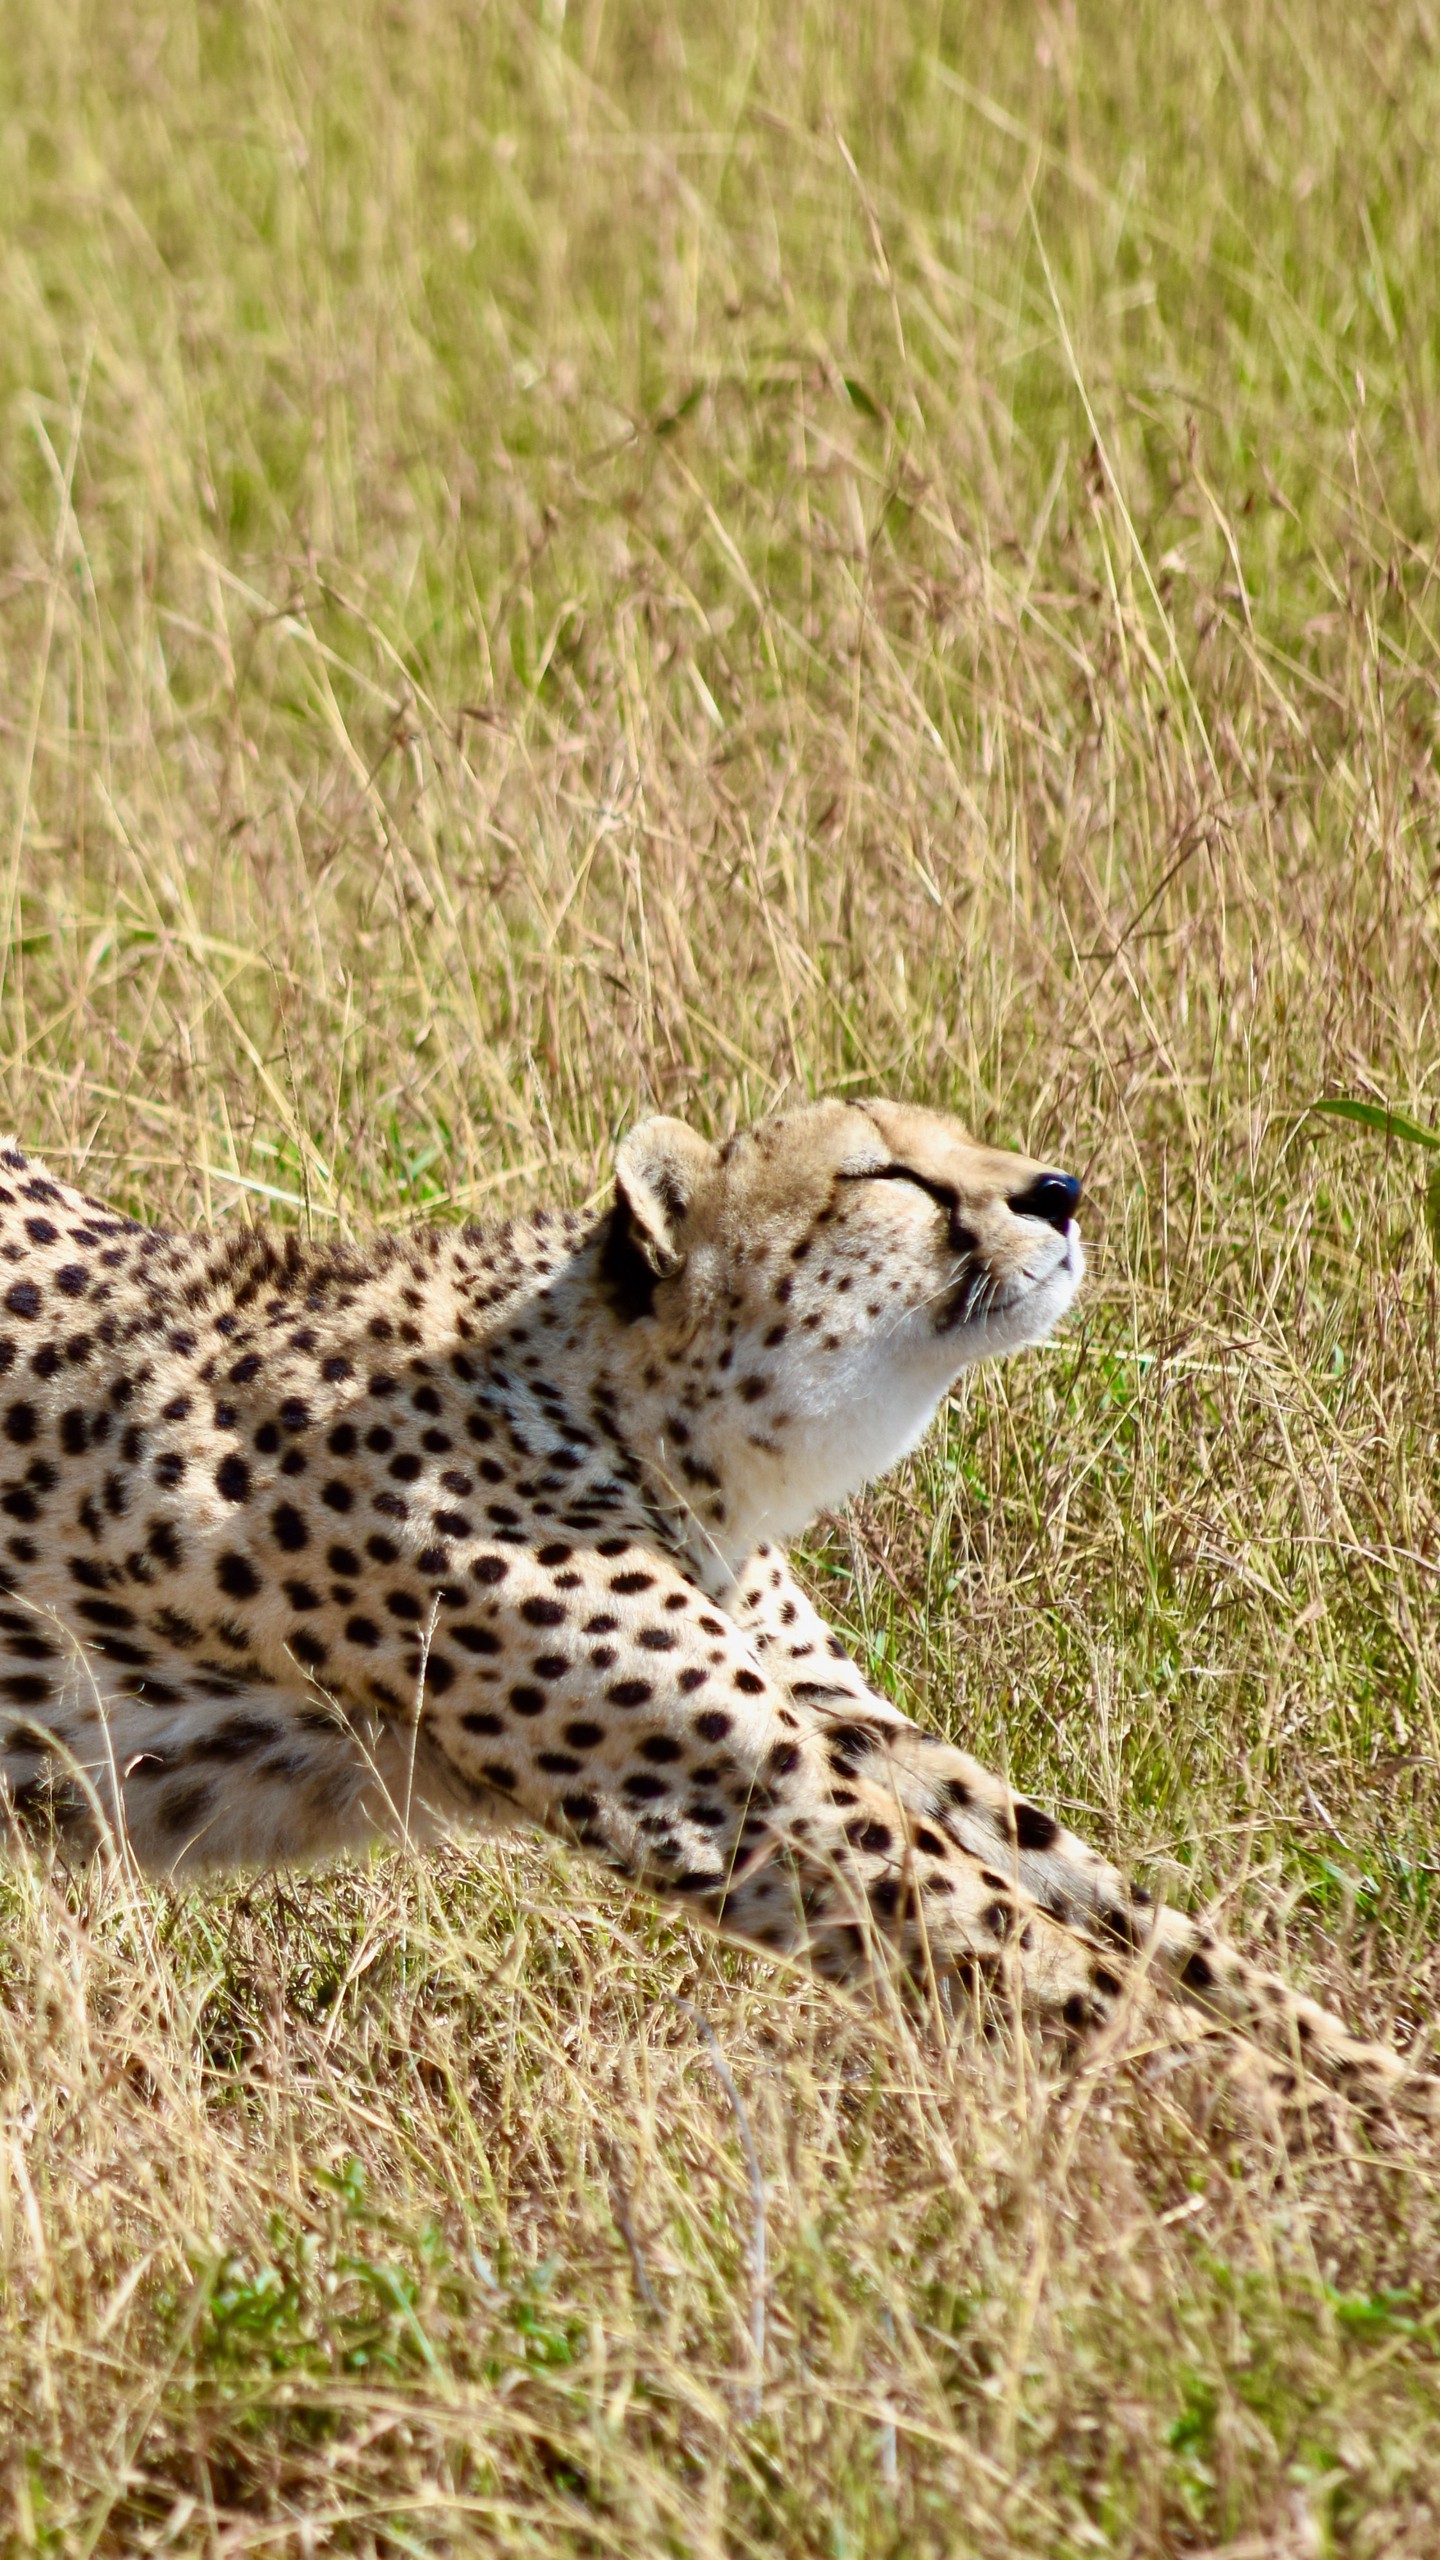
<point>823,1278</point>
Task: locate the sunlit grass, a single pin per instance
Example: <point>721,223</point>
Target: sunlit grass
<point>554,563</point>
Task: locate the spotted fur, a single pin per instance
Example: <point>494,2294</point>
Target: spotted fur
<point>300,1546</point>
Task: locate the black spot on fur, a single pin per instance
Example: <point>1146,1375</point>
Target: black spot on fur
<point>1034,1829</point>
<point>185,1808</point>
<point>105,1613</point>
<point>475,1639</point>
<point>544,1613</point>
<point>236,1737</point>
<point>873,1837</point>
<point>629,1693</point>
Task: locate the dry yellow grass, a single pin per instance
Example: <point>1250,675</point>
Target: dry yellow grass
<point>554,563</point>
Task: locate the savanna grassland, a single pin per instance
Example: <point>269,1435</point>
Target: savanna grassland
<point>555,563</point>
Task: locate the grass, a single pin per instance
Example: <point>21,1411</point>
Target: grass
<point>559,562</point>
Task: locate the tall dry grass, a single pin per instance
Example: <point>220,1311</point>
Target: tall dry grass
<point>558,562</point>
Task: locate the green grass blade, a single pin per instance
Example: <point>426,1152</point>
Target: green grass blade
<point>1373,1115</point>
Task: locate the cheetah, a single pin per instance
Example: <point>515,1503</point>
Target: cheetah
<point>303,1546</point>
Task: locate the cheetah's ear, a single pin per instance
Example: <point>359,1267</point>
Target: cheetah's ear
<point>661,1167</point>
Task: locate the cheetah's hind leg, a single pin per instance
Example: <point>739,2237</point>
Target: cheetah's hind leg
<point>198,1766</point>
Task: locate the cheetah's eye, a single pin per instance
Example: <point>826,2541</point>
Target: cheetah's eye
<point>940,1192</point>
<point>962,1238</point>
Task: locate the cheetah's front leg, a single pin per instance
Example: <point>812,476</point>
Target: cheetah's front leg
<point>862,1733</point>
<point>641,1720</point>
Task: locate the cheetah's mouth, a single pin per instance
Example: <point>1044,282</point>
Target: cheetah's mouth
<point>1002,1314</point>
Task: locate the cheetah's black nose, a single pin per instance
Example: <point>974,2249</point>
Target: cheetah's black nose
<point>1055,1197</point>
